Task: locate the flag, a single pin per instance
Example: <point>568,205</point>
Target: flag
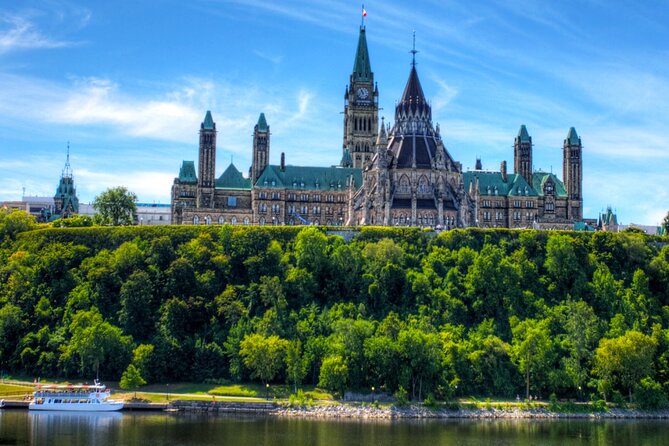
<point>364,12</point>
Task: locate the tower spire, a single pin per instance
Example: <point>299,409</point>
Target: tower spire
<point>67,170</point>
<point>413,50</point>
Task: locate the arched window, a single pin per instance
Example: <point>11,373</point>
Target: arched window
<point>207,220</point>
<point>261,221</point>
<point>196,220</point>
<point>423,185</point>
<point>233,220</point>
<point>221,220</point>
<point>404,186</point>
<point>246,220</point>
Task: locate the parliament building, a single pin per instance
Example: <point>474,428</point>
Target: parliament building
<point>390,175</point>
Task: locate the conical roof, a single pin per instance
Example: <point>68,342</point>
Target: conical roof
<point>523,135</point>
<point>262,123</point>
<point>572,137</point>
<point>208,123</point>
<point>362,70</point>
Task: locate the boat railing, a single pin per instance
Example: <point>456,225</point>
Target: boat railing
<point>60,394</point>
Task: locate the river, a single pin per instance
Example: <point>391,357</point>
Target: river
<point>18,427</point>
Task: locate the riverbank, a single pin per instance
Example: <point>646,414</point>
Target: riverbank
<point>369,412</point>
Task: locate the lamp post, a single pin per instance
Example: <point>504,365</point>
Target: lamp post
<point>168,391</point>
<point>267,391</point>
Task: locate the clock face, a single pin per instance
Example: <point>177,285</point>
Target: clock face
<point>362,93</point>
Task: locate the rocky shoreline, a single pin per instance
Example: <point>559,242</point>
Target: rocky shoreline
<point>421,412</point>
<point>369,412</point>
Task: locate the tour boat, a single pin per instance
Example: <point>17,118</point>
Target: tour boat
<point>93,398</point>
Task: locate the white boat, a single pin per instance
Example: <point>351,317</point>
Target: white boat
<point>93,398</point>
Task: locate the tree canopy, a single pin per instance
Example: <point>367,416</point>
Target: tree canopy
<point>116,206</point>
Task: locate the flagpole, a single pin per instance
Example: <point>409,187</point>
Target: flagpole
<point>362,23</point>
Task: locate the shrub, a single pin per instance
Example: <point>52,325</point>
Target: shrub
<point>401,397</point>
<point>649,395</point>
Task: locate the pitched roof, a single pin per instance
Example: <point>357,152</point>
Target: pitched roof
<point>413,91</point>
<point>208,123</point>
<point>523,135</point>
<point>262,123</point>
<point>572,137</point>
<point>539,179</point>
<point>187,172</point>
<point>309,178</point>
<point>491,183</point>
<point>232,179</point>
<point>362,70</point>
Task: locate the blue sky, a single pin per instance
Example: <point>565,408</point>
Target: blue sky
<point>127,83</point>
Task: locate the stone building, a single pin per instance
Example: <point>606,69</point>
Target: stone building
<point>390,175</point>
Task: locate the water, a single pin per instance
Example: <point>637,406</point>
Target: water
<point>149,429</point>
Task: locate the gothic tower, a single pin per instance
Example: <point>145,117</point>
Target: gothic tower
<point>260,148</point>
<point>207,163</point>
<point>361,109</point>
<point>572,176</point>
<point>522,155</point>
<point>65,201</point>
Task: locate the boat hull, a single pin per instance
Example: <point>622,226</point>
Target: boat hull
<point>73,407</point>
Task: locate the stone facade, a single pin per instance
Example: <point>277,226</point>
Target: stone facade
<point>390,175</point>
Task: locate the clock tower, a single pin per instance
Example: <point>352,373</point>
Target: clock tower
<point>361,110</point>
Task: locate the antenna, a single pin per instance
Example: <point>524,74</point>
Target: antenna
<point>413,50</point>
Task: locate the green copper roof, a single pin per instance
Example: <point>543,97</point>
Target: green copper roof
<point>208,123</point>
<point>362,70</point>
<point>491,183</point>
<point>262,123</point>
<point>346,160</point>
<point>540,178</point>
<point>523,135</point>
<point>233,179</point>
<point>187,172</point>
<point>309,178</point>
<point>572,137</point>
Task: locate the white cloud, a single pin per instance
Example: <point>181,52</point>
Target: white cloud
<point>20,33</point>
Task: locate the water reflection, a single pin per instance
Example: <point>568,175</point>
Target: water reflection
<point>92,428</point>
<point>147,429</point>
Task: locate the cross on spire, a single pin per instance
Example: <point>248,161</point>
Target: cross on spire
<point>413,50</point>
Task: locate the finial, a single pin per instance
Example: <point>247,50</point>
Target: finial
<point>413,50</point>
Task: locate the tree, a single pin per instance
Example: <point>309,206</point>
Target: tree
<point>116,206</point>
<point>131,379</point>
<point>530,347</point>
<point>624,360</point>
<point>263,355</point>
<point>334,374</point>
<point>665,224</point>
<point>296,365</point>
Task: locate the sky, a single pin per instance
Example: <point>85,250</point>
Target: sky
<point>127,84</point>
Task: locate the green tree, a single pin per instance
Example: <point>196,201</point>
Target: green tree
<point>13,222</point>
<point>96,342</point>
<point>263,355</point>
<point>665,224</point>
<point>334,374</point>
<point>421,358</point>
<point>624,360</point>
<point>137,312</point>
<point>530,348</point>
<point>131,379</point>
<point>296,363</point>
<point>116,206</point>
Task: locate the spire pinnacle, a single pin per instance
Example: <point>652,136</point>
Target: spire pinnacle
<point>67,170</point>
<point>362,70</point>
<point>413,50</point>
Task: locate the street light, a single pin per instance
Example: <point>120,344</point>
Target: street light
<point>267,391</point>
<point>168,391</point>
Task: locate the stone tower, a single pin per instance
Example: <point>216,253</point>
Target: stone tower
<point>522,154</point>
<point>260,148</point>
<point>65,201</point>
<point>207,163</point>
<point>572,174</point>
<point>361,109</point>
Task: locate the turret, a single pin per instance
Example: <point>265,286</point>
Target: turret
<point>572,173</point>
<point>261,136</point>
<point>522,154</point>
<point>207,162</point>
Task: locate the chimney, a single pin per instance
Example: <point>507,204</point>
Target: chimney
<point>283,161</point>
<point>479,164</point>
<point>502,169</point>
